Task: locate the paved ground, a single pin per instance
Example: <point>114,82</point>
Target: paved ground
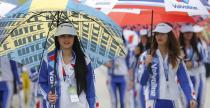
<point>103,94</point>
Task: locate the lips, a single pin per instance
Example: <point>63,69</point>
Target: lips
<point>67,42</point>
<point>159,40</point>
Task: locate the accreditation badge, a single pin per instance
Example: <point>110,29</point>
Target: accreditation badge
<point>73,94</point>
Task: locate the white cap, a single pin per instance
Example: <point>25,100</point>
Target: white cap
<point>162,28</point>
<point>143,32</point>
<point>198,28</point>
<point>65,28</point>
<point>187,28</point>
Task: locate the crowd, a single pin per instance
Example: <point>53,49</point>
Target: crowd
<point>161,71</point>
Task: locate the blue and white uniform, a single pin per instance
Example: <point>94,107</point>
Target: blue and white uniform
<point>197,72</point>
<point>203,49</point>
<point>138,92</point>
<point>117,74</point>
<point>162,86</point>
<point>8,74</point>
<point>133,93</point>
<point>46,77</point>
<point>139,99</point>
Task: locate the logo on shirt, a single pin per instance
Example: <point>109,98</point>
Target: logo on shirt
<point>52,78</point>
<point>154,80</point>
<point>183,1</point>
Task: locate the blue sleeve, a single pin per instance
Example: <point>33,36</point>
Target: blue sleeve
<point>145,76</point>
<point>14,69</point>
<point>143,70</point>
<point>43,80</point>
<point>90,92</point>
<point>185,82</point>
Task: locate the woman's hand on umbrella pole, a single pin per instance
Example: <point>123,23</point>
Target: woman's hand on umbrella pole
<point>148,60</point>
<point>51,97</point>
<point>193,103</point>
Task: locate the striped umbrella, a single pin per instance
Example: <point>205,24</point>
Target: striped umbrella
<point>27,31</point>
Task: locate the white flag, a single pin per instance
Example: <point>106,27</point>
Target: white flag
<point>131,37</point>
<point>192,7</point>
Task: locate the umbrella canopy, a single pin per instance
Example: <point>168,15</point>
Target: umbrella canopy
<point>5,7</point>
<point>28,30</point>
<point>192,7</point>
<point>15,2</point>
<point>147,17</point>
<point>152,12</point>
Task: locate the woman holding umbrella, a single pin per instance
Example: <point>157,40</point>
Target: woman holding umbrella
<point>166,73</point>
<point>67,78</point>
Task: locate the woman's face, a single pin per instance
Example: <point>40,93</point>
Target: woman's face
<point>161,38</point>
<point>137,51</point>
<point>144,39</point>
<point>188,35</point>
<point>199,35</point>
<point>66,41</point>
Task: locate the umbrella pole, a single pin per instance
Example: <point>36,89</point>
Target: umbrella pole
<point>152,22</point>
<point>57,24</point>
<point>53,86</point>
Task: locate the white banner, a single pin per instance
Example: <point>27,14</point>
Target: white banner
<point>133,11</point>
<point>192,7</point>
<point>100,3</point>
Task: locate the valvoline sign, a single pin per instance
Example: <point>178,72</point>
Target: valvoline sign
<point>184,1</point>
<point>192,7</point>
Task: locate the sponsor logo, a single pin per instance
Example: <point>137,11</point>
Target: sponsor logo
<point>186,5</point>
<point>153,80</point>
<point>52,77</point>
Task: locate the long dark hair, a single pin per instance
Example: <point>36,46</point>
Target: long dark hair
<point>80,67</point>
<point>148,43</point>
<point>173,48</point>
<point>193,43</point>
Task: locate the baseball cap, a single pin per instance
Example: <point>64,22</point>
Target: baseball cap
<point>162,28</point>
<point>198,28</point>
<point>187,28</point>
<point>65,28</point>
<point>143,32</point>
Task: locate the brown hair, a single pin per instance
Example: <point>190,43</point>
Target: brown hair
<point>173,48</point>
<point>193,42</point>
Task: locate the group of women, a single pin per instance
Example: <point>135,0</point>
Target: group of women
<point>167,70</point>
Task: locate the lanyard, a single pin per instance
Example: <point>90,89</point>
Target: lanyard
<point>190,53</point>
<point>64,74</point>
<point>66,69</point>
<point>166,69</point>
<point>69,70</point>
